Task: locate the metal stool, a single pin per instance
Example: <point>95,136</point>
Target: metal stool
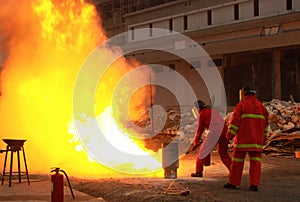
<point>14,145</point>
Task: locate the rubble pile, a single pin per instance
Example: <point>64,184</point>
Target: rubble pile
<point>284,133</point>
<point>167,125</point>
<point>180,122</point>
<point>175,123</point>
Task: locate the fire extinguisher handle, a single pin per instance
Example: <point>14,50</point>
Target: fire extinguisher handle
<point>55,169</point>
<point>68,183</point>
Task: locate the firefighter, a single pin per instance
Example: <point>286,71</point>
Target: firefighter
<point>248,126</point>
<point>210,120</point>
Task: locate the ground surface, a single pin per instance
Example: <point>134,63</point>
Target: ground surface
<point>280,182</point>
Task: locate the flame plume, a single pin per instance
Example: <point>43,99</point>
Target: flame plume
<point>44,43</point>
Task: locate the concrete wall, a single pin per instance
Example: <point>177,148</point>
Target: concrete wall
<point>197,14</point>
<point>138,35</point>
<point>225,37</point>
<point>175,82</point>
<point>197,20</point>
<point>246,10</point>
<point>296,4</point>
<point>223,15</point>
<point>164,24</point>
<point>270,7</point>
<point>178,24</point>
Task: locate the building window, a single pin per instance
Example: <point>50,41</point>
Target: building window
<point>270,30</point>
<point>256,7</point>
<point>172,67</point>
<point>289,4</point>
<point>150,29</point>
<point>171,25</point>
<point>132,33</point>
<point>209,18</point>
<point>236,12</point>
<point>185,22</point>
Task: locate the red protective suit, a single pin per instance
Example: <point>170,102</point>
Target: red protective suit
<point>210,120</point>
<point>248,127</point>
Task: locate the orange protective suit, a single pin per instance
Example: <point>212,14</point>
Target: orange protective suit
<point>210,119</point>
<point>248,127</point>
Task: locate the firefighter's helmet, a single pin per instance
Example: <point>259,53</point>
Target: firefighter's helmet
<point>249,89</point>
<point>199,104</point>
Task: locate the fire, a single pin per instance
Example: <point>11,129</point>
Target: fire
<point>46,43</point>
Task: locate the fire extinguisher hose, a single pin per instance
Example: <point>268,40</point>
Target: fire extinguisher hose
<point>68,183</point>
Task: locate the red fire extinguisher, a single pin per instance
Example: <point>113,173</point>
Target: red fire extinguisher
<point>57,185</point>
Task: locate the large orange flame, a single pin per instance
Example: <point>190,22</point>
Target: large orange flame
<point>44,43</point>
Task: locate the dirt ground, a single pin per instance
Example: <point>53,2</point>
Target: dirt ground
<point>280,182</point>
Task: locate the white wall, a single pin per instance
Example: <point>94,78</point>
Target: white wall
<point>176,84</point>
<point>164,24</point>
<point>246,10</point>
<point>296,4</point>
<point>271,7</point>
<point>178,24</point>
<point>142,26</point>
<point>222,15</point>
<point>197,20</point>
<point>203,17</point>
<point>193,20</point>
<point>139,34</point>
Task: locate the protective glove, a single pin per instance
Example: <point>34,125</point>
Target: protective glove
<point>193,147</point>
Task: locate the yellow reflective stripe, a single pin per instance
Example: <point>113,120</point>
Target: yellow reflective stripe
<point>255,159</point>
<point>256,116</point>
<point>232,132</point>
<point>248,146</point>
<point>266,131</point>
<point>237,159</point>
<point>233,127</point>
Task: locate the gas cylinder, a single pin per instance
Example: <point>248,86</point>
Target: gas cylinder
<point>57,185</point>
<point>170,159</point>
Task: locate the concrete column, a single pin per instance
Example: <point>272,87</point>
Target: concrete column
<point>276,74</point>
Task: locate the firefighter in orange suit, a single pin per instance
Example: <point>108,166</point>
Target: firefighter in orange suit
<point>210,120</point>
<point>248,127</point>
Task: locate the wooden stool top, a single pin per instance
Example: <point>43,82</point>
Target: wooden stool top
<point>14,144</point>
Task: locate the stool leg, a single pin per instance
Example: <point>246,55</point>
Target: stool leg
<point>25,165</point>
<point>4,166</point>
<point>19,169</point>
<point>11,165</point>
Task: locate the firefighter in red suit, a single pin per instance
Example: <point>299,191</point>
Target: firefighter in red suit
<point>248,127</point>
<point>210,120</point>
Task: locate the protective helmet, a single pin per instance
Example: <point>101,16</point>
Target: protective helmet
<point>249,89</point>
<point>199,104</point>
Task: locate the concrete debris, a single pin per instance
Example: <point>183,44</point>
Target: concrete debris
<point>283,115</point>
<point>175,123</point>
<point>284,133</point>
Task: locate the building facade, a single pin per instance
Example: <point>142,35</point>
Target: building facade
<point>248,40</point>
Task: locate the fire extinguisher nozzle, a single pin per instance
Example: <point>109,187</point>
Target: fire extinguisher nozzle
<point>55,169</point>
